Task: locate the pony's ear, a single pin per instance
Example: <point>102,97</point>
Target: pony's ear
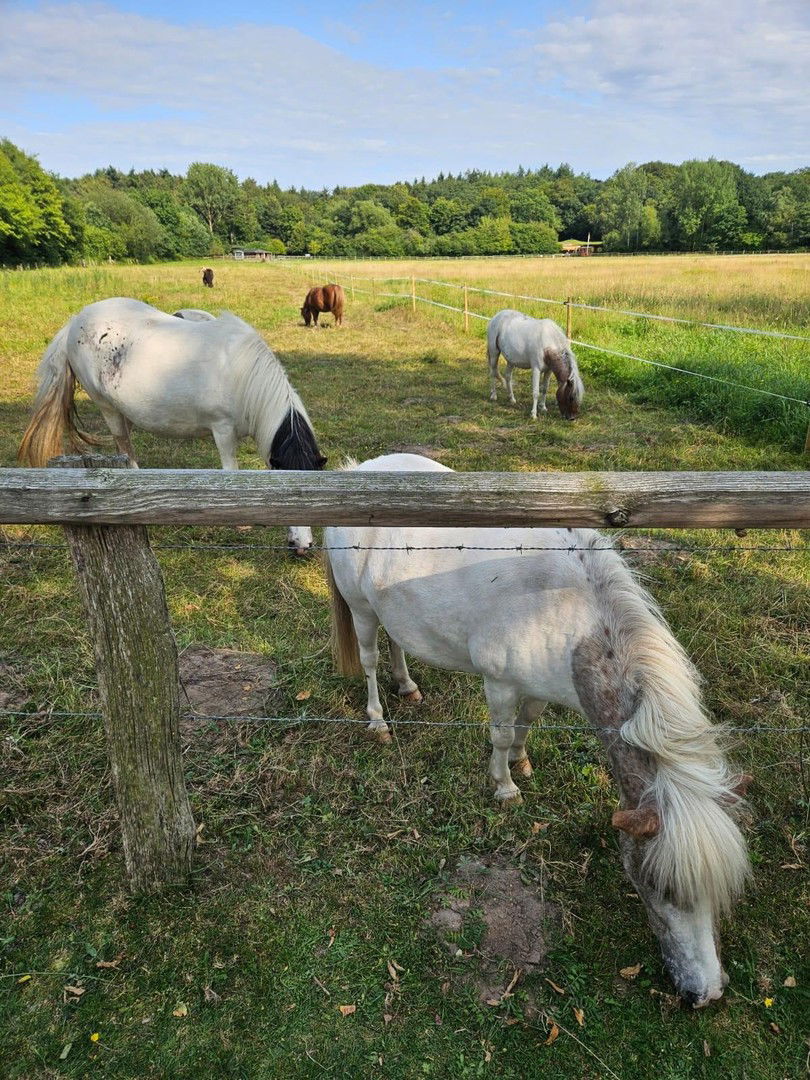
<point>642,823</point>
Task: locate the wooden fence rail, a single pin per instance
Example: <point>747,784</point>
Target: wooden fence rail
<point>104,507</point>
<point>766,500</point>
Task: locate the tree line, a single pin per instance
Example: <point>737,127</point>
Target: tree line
<point>155,215</point>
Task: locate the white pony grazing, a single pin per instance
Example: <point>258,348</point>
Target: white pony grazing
<point>174,377</point>
<point>539,344</point>
<point>568,624</point>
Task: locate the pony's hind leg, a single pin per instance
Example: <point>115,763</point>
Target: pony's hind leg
<point>495,377</point>
<point>503,701</point>
<point>366,625</point>
<point>508,382</point>
<point>120,429</point>
<point>530,709</point>
<point>406,687</point>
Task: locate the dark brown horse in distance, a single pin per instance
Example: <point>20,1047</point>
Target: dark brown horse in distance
<point>323,298</point>
<point>208,277</point>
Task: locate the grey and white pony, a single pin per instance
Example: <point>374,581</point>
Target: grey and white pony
<point>539,344</point>
<point>568,624</point>
<point>173,377</point>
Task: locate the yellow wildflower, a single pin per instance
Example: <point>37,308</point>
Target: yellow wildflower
<point>768,1002</point>
<point>95,1036</point>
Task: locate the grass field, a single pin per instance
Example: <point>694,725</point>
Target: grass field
<point>324,854</point>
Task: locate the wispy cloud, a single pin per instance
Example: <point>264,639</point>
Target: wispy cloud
<point>598,89</point>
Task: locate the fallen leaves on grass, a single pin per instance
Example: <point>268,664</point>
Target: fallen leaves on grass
<point>181,1010</point>
<point>580,1016</point>
<point>211,996</point>
<point>789,981</point>
<point>114,963</point>
<point>630,972</point>
<point>303,695</point>
<point>347,1010</point>
<point>555,988</point>
<point>552,1035</point>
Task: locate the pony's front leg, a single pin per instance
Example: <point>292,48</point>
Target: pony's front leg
<point>544,390</point>
<point>406,687</point>
<point>530,709</point>
<point>503,701</point>
<point>366,625</point>
<point>226,442</point>
<point>536,391</point>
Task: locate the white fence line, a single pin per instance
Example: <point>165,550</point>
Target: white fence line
<point>590,307</point>
<point>595,348</point>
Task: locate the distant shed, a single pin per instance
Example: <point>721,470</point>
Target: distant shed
<point>256,254</point>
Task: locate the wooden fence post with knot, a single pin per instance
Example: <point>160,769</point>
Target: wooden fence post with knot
<point>139,685</point>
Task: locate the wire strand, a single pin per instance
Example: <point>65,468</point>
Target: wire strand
<point>304,718</point>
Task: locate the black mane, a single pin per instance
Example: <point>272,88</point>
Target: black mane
<point>294,445</point>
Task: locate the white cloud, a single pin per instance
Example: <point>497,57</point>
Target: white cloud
<point>267,101</point>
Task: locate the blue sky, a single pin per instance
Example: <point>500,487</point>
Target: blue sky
<point>319,94</point>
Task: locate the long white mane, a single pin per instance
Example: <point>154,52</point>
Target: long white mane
<point>699,855</point>
<point>261,389</point>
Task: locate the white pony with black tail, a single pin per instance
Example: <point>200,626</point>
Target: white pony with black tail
<point>174,377</point>
<point>538,344</point>
<point>571,625</point>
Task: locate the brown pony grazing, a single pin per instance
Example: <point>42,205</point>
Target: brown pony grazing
<point>208,277</point>
<point>323,298</point>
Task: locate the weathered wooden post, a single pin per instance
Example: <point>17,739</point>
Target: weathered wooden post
<point>568,303</point>
<point>466,312</point>
<point>139,685</point>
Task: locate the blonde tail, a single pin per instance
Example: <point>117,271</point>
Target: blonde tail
<point>345,652</point>
<point>54,409</point>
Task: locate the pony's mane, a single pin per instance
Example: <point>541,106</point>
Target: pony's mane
<point>261,387</point>
<point>577,386</point>
<point>699,854</point>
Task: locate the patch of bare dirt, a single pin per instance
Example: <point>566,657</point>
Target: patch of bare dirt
<point>13,694</point>
<point>515,925</point>
<point>227,682</point>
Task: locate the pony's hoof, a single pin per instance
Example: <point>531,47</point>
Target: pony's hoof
<point>522,767</point>
<point>412,697</point>
<point>378,732</point>
<point>509,798</point>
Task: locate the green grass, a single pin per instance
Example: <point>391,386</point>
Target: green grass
<point>323,853</point>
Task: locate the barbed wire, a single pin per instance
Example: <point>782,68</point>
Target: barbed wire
<point>304,718</point>
<point>664,547</point>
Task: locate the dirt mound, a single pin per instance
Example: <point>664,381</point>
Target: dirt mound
<point>227,682</point>
<point>512,924</point>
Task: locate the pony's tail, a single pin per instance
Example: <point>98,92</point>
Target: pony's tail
<point>699,855</point>
<point>54,409</point>
<point>345,651</point>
